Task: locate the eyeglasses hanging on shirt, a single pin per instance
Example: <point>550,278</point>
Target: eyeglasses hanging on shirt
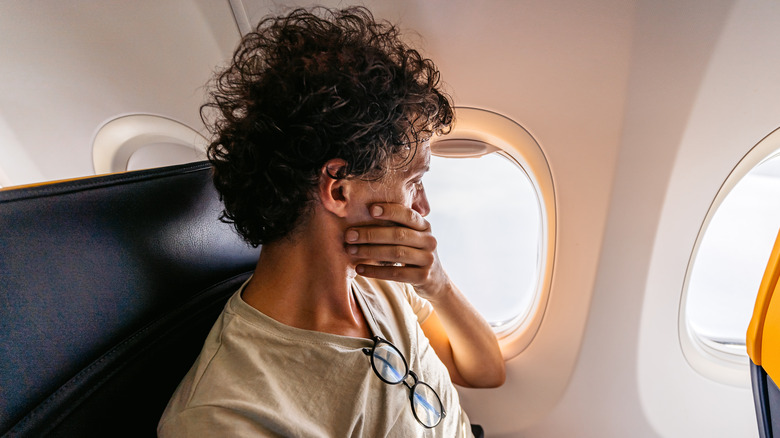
<point>390,366</point>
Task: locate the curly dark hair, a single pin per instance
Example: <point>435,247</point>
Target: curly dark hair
<point>305,88</point>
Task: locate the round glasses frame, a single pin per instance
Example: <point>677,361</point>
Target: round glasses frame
<point>422,396</point>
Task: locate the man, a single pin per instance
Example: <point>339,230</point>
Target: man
<point>349,325</point>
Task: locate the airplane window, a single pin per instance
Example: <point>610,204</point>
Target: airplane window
<point>141,141</point>
<point>493,212</point>
<point>730,260</point>
<point>486,216</point>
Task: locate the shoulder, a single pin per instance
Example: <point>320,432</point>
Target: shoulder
<point>392,291</point>
<point>398,295</point>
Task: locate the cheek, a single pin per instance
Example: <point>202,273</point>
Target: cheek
<point>368,195</point>
<point>401,196</point>
<point>388,191</point>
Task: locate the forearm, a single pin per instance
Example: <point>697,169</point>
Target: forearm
<point>464,341</point>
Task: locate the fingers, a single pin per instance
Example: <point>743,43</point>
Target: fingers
<point>392,254</point>
<point>400,248</point>
<point>390,235</point>
<point>406,274</point>
<point>399,214</point>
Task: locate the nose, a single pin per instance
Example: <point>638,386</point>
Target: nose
<point>420,203</point>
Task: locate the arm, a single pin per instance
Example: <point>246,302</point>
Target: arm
<point>462,339</point>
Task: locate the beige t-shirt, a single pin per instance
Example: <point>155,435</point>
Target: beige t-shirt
<point>258,377</point>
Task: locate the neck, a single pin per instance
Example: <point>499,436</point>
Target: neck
<point>305,282</point>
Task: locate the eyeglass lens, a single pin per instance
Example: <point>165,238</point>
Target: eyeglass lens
<point>389,363</point>
<point>426,405</point>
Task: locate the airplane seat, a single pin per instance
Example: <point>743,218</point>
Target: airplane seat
<point>108,287</point>
<point>763,347</point>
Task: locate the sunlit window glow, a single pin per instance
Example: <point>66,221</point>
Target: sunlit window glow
<point>732,257</point>
<point>486,215</point>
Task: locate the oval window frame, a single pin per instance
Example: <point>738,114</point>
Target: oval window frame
<point>479,126</point>
<point>119,138</point>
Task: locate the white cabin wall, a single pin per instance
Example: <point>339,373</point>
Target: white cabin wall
<point>703,92</point>
<point>673,44</point>
<point>70,66</point>
<point>19,167</point>
<point>736,105</point>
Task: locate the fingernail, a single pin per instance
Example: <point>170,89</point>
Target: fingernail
<point>360,269</point>
<point>352,236</point>
<point>376,211</point>
<point>352,249</point>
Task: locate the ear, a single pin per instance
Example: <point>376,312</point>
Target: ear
<point>333,188</point>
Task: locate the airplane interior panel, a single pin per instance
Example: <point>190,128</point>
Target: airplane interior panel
<point>606,197</point>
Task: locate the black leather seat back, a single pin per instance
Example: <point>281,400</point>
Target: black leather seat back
<point>108,287</point>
